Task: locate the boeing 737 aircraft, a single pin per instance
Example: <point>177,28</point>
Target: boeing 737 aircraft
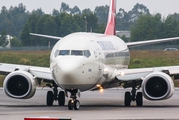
<point>89,61</point>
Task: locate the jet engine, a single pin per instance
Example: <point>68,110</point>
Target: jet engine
<point>20,85</point>
<point>157,86</point>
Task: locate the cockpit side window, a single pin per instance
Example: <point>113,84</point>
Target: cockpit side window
<point>87,53</point>
<point>77,52</point>
<point>56,53</point>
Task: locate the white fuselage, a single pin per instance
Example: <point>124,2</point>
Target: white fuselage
<point>78,61</point>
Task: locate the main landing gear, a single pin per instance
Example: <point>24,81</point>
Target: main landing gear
<point>74,103</point>
<point>51,96</point>
<point>131,96</point>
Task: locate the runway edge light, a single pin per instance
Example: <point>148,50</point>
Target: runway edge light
<point>47,118</point>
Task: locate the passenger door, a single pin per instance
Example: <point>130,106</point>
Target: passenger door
<point>97,54</point>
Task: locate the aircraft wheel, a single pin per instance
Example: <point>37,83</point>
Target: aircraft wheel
<point>70,105</point>
<point>139,99</point>
<point>76,105</point>
<point>127,101</point>
<point>49,98</point>
<point>61,98</point>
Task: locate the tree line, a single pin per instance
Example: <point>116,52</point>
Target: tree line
<point>14,19</point>
<point>150,27</point>
<point>19,22</point>
<point>60,25</point>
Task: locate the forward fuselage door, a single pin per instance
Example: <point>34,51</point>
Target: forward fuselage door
<point>97,54</point>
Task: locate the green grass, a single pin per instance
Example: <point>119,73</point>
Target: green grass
<point>2,77</point>
<point>142,59</point>
<point>34,58</point>
<point>152,62</point>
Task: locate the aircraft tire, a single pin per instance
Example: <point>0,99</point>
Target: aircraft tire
<point>70,105</point>
<point>127,101</point>
<point>61,98</point>
<point>76,105</point>
<point>49,98</point>
<point>139,99</point>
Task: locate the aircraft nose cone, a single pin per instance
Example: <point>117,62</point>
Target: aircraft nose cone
<point>68,65</point>
<point>69,70</point>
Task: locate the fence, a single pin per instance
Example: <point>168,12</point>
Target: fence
<point>27,48</point>
<point>154,47</point>
<point>145,47</point>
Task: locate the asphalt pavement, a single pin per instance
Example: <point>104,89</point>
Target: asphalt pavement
<point>94,106</point>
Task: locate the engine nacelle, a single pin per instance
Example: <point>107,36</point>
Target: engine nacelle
<point>157,86</point>
<point>20,85</point>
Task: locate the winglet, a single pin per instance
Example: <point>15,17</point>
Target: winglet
<point>111,25</point>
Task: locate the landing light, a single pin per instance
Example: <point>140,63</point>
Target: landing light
<point>121,73</point>
<point>101,90</point>
<point>105,70</point>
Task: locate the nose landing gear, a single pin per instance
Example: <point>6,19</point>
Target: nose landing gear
<point>53,95</point>
<point>74,103</point>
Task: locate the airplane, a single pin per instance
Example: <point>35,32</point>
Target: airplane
<point>89,61</point>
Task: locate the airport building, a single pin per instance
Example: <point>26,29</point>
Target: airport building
<point>126,33</point>
<point>8,39</point>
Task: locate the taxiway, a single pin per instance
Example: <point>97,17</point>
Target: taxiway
<point>94,106</point>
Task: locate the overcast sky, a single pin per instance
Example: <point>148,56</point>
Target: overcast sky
<point>164,7</point>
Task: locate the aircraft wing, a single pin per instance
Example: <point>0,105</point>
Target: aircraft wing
<point>46,36</point>
<point>38,72</point>
<point>133,44</point>
<point>141,73</point>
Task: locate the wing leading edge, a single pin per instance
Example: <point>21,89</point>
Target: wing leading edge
<point>140,43</point>
<point>46,36</point>
<point>140,73</point>
<point>38,72</point>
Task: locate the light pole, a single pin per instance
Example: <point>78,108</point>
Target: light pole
<point>9,35</point>
<point>85,23</point>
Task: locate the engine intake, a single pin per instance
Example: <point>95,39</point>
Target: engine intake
<point>20,85</point>
<point>157,86</point>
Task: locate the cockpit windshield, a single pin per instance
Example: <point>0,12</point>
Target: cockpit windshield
<point>85,53</point>
<point>64,52</point>
<point>77,52</point>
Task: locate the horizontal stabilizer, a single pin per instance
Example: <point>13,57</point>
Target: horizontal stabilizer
<point>46,36</point>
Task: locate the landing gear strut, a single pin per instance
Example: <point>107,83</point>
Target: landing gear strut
<point>74,103</point>
<point>131,96</point>
<point>51,96</point>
